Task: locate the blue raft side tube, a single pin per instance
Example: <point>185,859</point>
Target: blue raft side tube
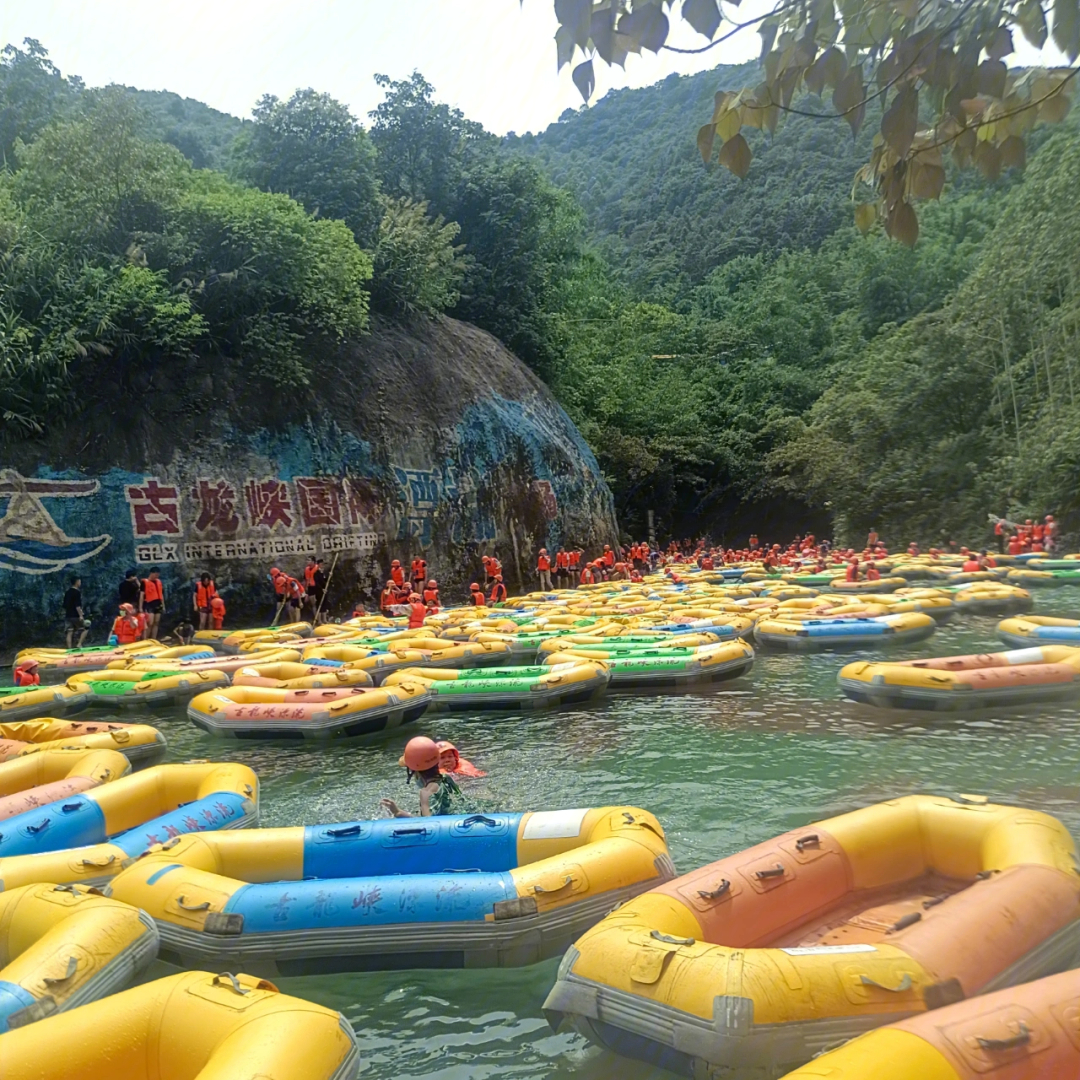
<point>846,628</point>
<point>434,845</point>
<point>370,901</point>
<point>724,633</point>
<point>12,998</point>
<point>78,821</point>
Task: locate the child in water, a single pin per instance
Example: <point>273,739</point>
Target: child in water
<point>435,765</point>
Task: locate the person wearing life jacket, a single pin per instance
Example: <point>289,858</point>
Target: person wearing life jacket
<point>397,575</point>
<point>1051,533</point>
<point>872,572</point>
<point>494,569</point>
<point>126,628</point>
<point>309,574</point>
<point>1015,545</point>
<point>419,574</point>
<point>999,534</point>
<point>417,611</point>
<point>971,564</point>
<point>358,611</point>
<point>588,577</point>
<point>573,565</point>
<point>477,594</point>
<point>562,568</point>
<point>608,556</point>
<point>387,599</point>
<point>543,570</point>
<point>205,591</point>
<point>707,562</point>
<point>217,613</point>
<point>438,791</point>
<point>450,761</point>
<point>498,591</point>
<point>294,598</point>
<point>853,569</point>
<point>26,673</point>
<point>152,601</point>
<point>635,576</point>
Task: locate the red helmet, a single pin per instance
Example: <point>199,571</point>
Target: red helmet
<point>413,597</point>
<point>26,665</point>
<point>128,608</point>
<point>421,754</point>
<point>396,562</point>
<point>274,571</point>
<point>432,583</point>
<point>474,587</point>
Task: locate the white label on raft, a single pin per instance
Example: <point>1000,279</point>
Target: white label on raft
<point>554,825</point>
<point>829,950</point>
<point>1025,656</point>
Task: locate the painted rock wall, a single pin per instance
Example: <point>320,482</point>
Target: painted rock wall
<point>431,439</point>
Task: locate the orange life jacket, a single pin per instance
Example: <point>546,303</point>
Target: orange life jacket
<point>498,592</point>
<point>24,677</point>
<point>574,560</point>
<point>478,598</point>
<point>397,575</point>
<point>309,576</point>
<point>417,615</point>
<point>431,595</point>
<point>126,629</point>
<point>562,560</point>
<point>152,590</point>
<point>609,557</point>
<point>205,593</point>
<point>388,599</point>
<point>543,562</point>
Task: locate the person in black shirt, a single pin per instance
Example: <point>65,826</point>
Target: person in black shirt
<point>128,590</point>
<point>75,622</point>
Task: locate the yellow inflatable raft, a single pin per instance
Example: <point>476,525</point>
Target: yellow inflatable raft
<point>478,890</point>
<point>1027,1032</point>
<point>145,689</point>
<point>285,676</point>
<point>261,712</point>
<point>62,946</point>
<point>139,743</point>
<point>30,703</point>
<point>231,641</point>
<point>754,964</point>
<point>37,779</point>
<point>87,838</point>
<point>193,1026</point>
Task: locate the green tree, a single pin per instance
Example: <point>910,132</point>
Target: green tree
<point>417,267</point>
<point>32,93</point>
<point>312,149</point>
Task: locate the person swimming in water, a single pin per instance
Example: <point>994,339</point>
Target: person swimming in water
<point>438,790</point>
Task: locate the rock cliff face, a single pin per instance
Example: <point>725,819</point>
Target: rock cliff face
<point>429,440</point>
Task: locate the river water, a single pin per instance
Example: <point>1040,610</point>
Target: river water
<point>722,769</point>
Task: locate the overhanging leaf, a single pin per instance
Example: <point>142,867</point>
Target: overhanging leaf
<point>902,223</point>
<point>647,26</point>
<point>735,154</point>
<point>1066,27</point>
<point>564,45</point>
<point>1001,45</point>
<point>1032,22</point>
<point>1013,152</point>
<point>705,137</point>
<point>927,180</point>
<point>900,121</point>
<point>849,98</point>
<point>584,79</point>
<point>991,78</point>
<point>703,16</point>
<point>865,216</point>
<point>576,15</point>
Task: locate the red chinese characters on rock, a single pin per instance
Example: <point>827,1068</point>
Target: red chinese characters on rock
<point>216,500</point>
<point>268,503</point>
<point>155,508</point>
<point>320,500</point>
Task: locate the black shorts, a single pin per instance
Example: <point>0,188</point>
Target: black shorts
<point>73,622</point>
<point>154,607</point>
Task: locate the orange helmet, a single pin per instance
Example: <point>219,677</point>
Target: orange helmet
<point>474,587</point>
<point>128,608</point>
<point>414,596</point>
<point>445,748</point>
<point>274,571</point>
<point>432,583</point>
<point>26,665</point>
<point>421,754</point>
<point>396,562</point>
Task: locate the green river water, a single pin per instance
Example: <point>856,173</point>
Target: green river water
<point>722,768</point>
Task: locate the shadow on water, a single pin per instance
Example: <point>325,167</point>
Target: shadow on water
<point>722,768</point>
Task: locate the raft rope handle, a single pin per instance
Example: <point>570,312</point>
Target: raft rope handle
<point>813,840</point>
<point>905,984</point>
<point>776,872</point>
<point>910,919</point>
<point>90,862</point>
<point>479,819</point>
<point>721,890</point>
<point>205,906</point>
<point>672,940</point>
<point>72,967</point>
<point>1020,1039</point>
<point>410,832</point>
<point>567,883</point>
<point>71,807</point>
<point>351,830</point>
<point>236,987</point>
<point>35,829</point>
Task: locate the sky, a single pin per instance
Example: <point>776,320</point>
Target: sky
<point>493,59</point>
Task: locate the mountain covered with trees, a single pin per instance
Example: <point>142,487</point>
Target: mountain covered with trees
<point>736,353</point>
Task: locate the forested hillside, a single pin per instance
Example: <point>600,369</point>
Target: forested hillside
<point>736,353</point>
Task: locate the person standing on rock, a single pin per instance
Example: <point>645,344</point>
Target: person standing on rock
<point>127,592</point>
<point>419,574</point>
<point>75,621</point>
<point>152,601</point>
<point>573,565</point>
<point>205,591</point>
<point>543,569</point>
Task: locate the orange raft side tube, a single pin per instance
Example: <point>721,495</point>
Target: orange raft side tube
<point>193,1026</point>
<point>1027,1032</point>
<point>37,779</point>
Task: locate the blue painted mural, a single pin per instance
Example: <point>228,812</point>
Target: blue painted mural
<point>510,476</point>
